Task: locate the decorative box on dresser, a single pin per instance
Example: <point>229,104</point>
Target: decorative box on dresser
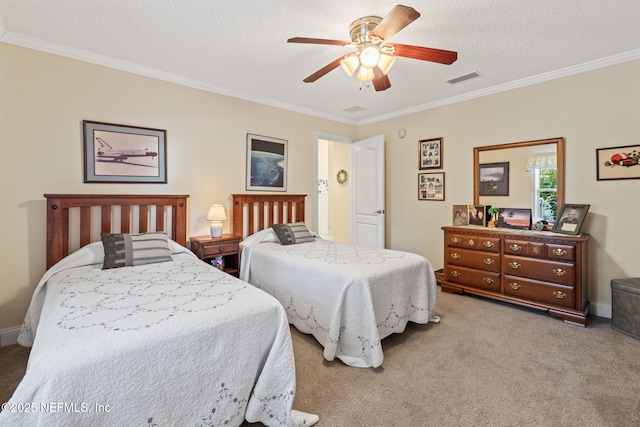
<point>541,270</point>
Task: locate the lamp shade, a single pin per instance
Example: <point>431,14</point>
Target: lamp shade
<point>216,213</point>
<point>350,64</point>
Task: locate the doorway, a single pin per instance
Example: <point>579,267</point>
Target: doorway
<point>350,184</point>
<point>332,195</point>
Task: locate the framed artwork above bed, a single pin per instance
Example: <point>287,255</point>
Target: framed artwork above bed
<point>125,154</point>
<point>266,163</point>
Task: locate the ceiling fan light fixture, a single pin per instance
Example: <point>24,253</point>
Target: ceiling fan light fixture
<point>386,62</point>
<point>369,56</point>
<point>350,64</point>
<point>365,74</point>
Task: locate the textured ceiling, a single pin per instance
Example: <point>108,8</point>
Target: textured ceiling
<point>239,48</point>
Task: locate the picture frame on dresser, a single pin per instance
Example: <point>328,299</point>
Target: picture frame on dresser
<point>477,215</point>
<point>514,218</point>
<point>460,215</point>
<point>570,219</point>
<point>116,153</point>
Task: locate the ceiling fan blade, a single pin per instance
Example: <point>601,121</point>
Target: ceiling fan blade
<point>324,70</point>
<point>425,53</point>
<point>399,17</point>
<point>381,81</point>
<point>317,41</point>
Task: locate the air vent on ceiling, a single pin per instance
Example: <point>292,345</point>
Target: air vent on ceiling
<point>471,75</point>
<point>354,109</point>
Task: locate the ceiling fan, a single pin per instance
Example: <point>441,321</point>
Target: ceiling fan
<point>374,58</point>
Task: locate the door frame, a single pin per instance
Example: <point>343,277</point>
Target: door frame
<point>329,137</point>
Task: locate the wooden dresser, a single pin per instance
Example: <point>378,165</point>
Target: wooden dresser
<point>541,270</point>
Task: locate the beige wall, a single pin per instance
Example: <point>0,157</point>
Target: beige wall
<point>44,98</point>
<point>590,110</point>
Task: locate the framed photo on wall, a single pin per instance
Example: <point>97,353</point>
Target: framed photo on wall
<point>125,154</point>
<point>494,179</point>
<point>430,153</point>
<point>570,219</point>
<point>266,163</point>
<point>618,162</point>
<point>431,186</point>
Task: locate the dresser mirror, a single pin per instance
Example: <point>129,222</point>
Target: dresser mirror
<point>521,175</point>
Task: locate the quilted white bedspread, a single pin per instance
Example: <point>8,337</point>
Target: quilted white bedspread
<point>348,297</point>
<point>177,343</point>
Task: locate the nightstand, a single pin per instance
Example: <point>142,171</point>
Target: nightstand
<point>228,247</point>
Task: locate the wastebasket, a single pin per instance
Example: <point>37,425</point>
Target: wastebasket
<point>625,306</point>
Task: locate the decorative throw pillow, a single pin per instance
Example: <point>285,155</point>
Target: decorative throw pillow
<point>290,234</point>
<point>122,250</point>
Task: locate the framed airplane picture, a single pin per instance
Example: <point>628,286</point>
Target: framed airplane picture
<point>125,154</point>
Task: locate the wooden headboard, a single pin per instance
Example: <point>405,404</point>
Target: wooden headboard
<point>135,214</point>
<point>254,212</point>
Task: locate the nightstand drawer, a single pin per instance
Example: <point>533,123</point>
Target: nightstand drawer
<point>215,250</point>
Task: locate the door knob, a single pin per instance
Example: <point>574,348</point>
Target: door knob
<point>379,211</point>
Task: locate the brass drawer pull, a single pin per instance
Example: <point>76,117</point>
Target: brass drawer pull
<point>559,252</point>
<point>472,242</point>
<point>454,273</point>
<point>455,240</point>
<point>515,247</point>
<point>488,280</point>
<point>488,261</point>
<point>559,272</point>
<point>455,256</point>
<point>487,244</point>
<point>559,294</point>
<point>515,265</point>
<point>515,286</point>
<point>537,250</point>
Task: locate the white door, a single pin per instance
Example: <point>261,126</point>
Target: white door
<point>367,215</point>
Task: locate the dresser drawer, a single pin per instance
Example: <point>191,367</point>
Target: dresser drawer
<point>561,252</point>
<point>221,249</point>
<point>473,259</point>
<point>481,243</point>
<point>548,271</point>
<point>533,290</point>
<point>471,277</point>
<point>524,248</point>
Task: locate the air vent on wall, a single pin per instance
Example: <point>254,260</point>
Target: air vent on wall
<point>471,75</point>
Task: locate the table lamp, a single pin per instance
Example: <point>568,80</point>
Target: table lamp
<point>216,214</point>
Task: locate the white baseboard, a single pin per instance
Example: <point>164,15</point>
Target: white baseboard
<point>601,310</point>
<point>9,336</point>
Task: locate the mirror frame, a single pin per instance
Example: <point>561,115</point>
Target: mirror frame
<point>559,160</point>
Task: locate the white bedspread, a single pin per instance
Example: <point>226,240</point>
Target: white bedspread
<point>170,344</point>
<point>348,297</point>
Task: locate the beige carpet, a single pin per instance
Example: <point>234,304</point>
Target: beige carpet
<point>485,364</point>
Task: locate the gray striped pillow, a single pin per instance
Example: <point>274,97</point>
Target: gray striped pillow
<point>290,234</point>
<point>122,250</point>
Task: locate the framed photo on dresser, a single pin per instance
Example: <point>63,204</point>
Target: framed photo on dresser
<point>570,219</point>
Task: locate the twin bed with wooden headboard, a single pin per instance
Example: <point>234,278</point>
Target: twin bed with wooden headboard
<point>128,327</point>
<point>348,297</point>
